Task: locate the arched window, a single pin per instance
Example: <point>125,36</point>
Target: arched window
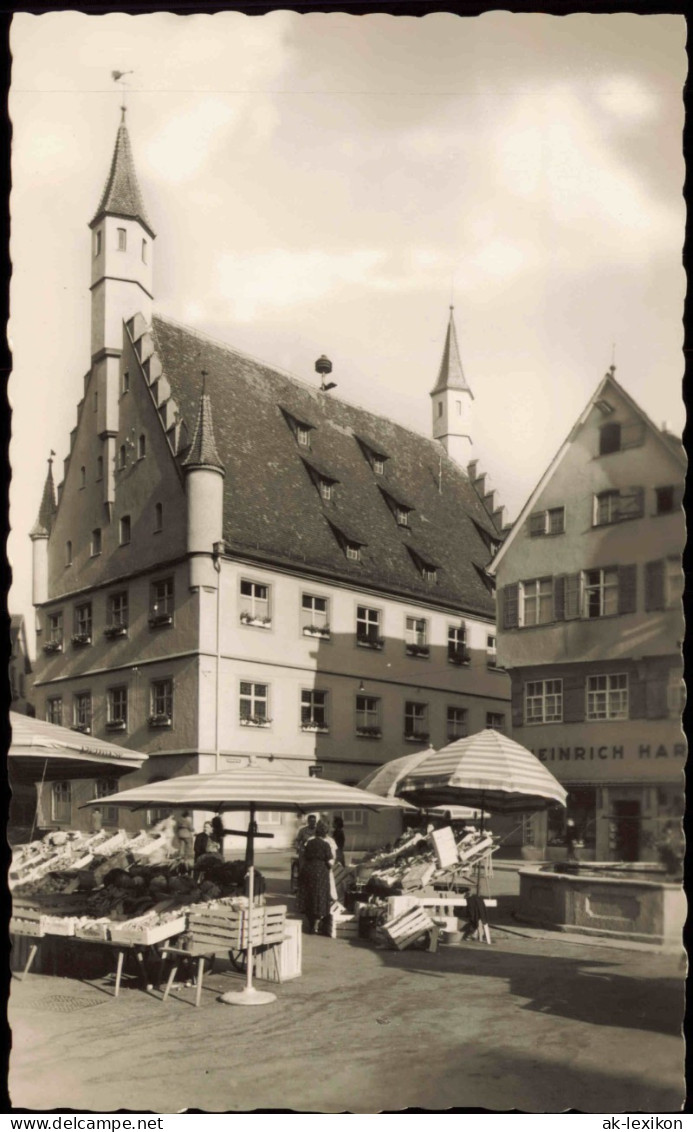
<point>158,516</point>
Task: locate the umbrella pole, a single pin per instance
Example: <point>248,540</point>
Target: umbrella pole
<point>249,996</point>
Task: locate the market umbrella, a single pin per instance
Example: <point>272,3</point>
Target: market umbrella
<point>254,789</point>
<point>45,752</point>
<point>385,779</point>
<point>487,770</point>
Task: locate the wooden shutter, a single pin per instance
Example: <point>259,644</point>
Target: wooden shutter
<point>517,703</point>
<point>637,696</point>
<point>572,597</point>
<point>631,503</point>
<point>657,699</point>
<point>537,523</point>
<point>654,585</point>
<point>627,589</point>
<point>511,606</point>
<point>632,434</point>
<point>559,598</point>
<point>573,698</point>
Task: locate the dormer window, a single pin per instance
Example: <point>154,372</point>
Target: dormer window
<point>378,465</point>
<point>402,516</point>
<point>303,435</point>
<point>426,567</point>
<point>400,507</point>
<point>124,530</point>
<point>326,490</point>
<point>122,240</point>
<point>300,427</point>
<point>350,542</point>
<point>68,553</point>
<point>373,453</point>
<point>353,551</point>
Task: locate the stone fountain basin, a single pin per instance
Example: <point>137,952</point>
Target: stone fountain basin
<point>600,898</point>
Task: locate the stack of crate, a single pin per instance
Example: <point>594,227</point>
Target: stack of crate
<point>407,927</point>
<point>283,960</point>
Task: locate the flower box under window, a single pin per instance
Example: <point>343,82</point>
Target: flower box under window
<point>317,728</point>
<point>158,619</point>
<point>259,622</point>
<point>112,631</point>
<point>369,642</point>
<point>418,650</point>
<point>416,736</point>
<point>115,725</point>
<point>160,719</point>
<point>84,728</point>
<point>79,640</point>
<point>254,721</point>
<point>369,733</point>
<point>53,646</point>
<point>459,656</point>
<point>322,631</point>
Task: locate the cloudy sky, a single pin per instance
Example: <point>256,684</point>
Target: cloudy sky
<point>326,183</point>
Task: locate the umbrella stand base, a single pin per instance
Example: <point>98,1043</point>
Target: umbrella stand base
<point>249,996</point>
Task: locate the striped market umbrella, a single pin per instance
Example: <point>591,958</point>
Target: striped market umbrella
<point>385,779</point>
<point>45,752</point>
<point>254,789</point>
<point>487,770</point>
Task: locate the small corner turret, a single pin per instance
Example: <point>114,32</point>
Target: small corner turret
<point>451,399</point>
<point>204,487</point>
<point>39,535</point>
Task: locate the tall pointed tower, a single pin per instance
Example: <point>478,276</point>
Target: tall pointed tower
<point>452,401</point>
<point>39,535</point>
<point>121,284</point>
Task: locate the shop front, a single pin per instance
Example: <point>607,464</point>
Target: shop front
<point>625,789</point>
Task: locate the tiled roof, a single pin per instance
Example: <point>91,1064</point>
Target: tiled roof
<point>47,508</point>
<point>273,510</point>
<point>451,374</point>
<point>121,195</point>
<point>203,450</point>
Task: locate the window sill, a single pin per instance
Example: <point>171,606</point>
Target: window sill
<point>114,631</point>
<point>160,721</point>
<point>256,622</point>
<point>321,634</point>
<point>262,724</point>
<point>315,729</point>
<point>421,737</point>
<point>83,728</point>
<point>377,645</point>
<point>80,641</point>
<point>53,646</point>
<point>368,733</point>
<point>421,651</point>
<point>460,661</point>
<point>116,725</point>
<point>160,619</point>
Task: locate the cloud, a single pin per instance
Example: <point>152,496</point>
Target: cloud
<point>627,99</point>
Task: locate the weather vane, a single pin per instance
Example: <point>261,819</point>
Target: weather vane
<point>117,76</point>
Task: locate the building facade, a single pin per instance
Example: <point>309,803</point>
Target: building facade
<point>590,629</point>
<point>237,564</point>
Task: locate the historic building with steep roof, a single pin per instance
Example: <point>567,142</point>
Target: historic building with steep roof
<point>590,628</point>
<point>239,563</point>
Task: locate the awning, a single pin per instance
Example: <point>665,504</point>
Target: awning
<point>42,751</point>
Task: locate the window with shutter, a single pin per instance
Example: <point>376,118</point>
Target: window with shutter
<point>654,585</point>
<point>559,598</point>
<point>657,699</point>
<point>572,597</point>
<point>511,606</point>
<point>631,504</point>
<point>627,586</point>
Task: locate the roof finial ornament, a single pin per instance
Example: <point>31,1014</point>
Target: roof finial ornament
<point>50,459</point>
<point>117,76</point>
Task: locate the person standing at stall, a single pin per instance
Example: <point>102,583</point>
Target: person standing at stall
<point>314,881</point>
<point>184,835</point>
<point>303,837</point>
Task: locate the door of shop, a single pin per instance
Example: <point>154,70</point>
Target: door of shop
<point>627,830</point>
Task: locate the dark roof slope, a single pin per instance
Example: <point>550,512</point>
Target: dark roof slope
<point>121,195</point>
<point>273,509</point>
<point>451,374</point>
<point>203,450</point>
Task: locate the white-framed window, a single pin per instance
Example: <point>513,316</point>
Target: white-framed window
<point>122,239</point>
<point>303,435</point>
<point>415,632</point>
<point>255,604</point>
<point>496,720</point>
<point>416,721</point>
<point>491,651</point>
<point>61,802</point>
<point>549,522</point>
<point>54,710</point>
<point>254,704</point>
<point>161,702</point>
<point>117,707</point>
<point>315,619</point>
<point>378,466</point>
<point>458,652</point>
<point>97,243</point>
<point>83,621</point>
<point>125,382</point>
<point>456,723</point>
<point>55,627</point>
<point>161,603</point>
<point>600,592</point>
<point>544,701</point>
<point>68,553</point>
<point>326,489</point>
<point>124,530</point>
<point>368,717</point>
<point>158,517</point>
<point>607,696</point>
<point>401,515</point>
<point>368,626</point>
<point>536,601</point>
<point>81,711</point>
<point>95,547</point>
<point>141,446</point>
<point>352,551</point>
<point>103,787</point>
<point>314,710</point>
<point>118,610</point>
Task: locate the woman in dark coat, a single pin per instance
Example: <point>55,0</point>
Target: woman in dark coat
<point>314,879</point>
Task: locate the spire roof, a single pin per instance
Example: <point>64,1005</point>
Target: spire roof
<point>121,195</point>
<point>451,374</point>
<point>203,450</point>
<point>44,521</point>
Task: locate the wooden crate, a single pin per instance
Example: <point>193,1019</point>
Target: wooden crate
<point>107,848</point>
<point>29,927</point>
<point>407,927</point>
<point>130,932</point>
<point>345,927</point>
<point>58,925</point>
<point>97,930</point>
<point>227,928</point>
<point>287,955</point>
